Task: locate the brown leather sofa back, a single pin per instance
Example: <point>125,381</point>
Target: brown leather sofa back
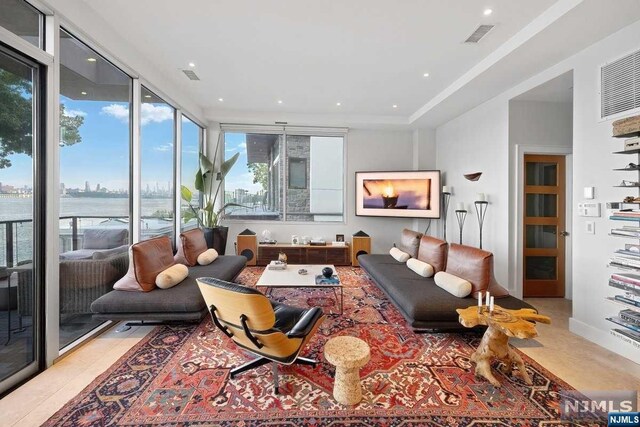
<point>433,251</point>
<point>410,242</point>
<point>476,266</point>
<point>150,258</point>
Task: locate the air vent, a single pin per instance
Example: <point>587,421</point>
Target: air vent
<point>191,75</point>
<point>620,85</point>
<point>479,33</point>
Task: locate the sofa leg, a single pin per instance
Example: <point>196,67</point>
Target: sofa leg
<point>123,327</point>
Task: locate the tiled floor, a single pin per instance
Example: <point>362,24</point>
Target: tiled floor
<point>581,363</point>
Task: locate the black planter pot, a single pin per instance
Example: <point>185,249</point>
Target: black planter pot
<point>216,238</point>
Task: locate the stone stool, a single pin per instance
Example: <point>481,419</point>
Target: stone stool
<point>348,355</point>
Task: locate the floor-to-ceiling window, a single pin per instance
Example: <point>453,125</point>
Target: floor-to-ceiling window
<point>157,154</point>
<point>95,129</point>
<point>191,143</point>
<point>21,167</point>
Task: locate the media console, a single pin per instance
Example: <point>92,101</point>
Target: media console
<point>305,254</point>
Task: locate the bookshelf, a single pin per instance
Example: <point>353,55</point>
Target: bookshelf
<point>625,279</point>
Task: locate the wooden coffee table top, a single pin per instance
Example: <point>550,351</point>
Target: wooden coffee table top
<point>513,323</point>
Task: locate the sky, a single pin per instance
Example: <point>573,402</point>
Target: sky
<point>103,155</point>
<point>239,176</point>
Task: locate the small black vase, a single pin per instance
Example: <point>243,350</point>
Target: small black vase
<point>327,272</point>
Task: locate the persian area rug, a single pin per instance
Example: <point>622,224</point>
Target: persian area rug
<point>179,376</point>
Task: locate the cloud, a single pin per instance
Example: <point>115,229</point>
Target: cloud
<point>158,114</point>
<point>164,147</point>
<point>119,111</point>
<point>75,113</point>
<point>148,114</point>
<point>230,149</point>
<point>242,145</point>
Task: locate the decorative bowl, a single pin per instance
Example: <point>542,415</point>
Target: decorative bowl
<point>327,272</point>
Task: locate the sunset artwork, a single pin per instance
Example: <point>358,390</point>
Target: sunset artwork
<point>397,194</point>
<point>400,194</point>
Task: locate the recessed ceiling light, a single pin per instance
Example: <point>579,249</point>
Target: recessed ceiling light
<point>487,12</point>
<point>425,75</point>
<point>279,101</point>
<point>147,96</point>
<point>220,99</point>
<point>395,106</point>
<point>191,64</point>
<point>83,93</point>
<point>338,103</point>
<point>91,59</point>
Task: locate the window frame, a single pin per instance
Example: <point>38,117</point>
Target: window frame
<point>292,131</point>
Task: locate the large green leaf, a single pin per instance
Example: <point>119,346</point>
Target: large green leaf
<point>227,165</point>
<point>186,194</point>
<point>188,215</point>
<point>199,184</point>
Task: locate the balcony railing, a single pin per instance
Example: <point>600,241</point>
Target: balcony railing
<point>17,235</point>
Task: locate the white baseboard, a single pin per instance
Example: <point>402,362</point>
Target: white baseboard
<point>605,339</point>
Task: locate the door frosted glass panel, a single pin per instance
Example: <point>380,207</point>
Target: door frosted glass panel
<point>542,173</point>
<point>542,205</point>
<point>541,236</point>
<point>541,268</point>
<point>95,105</point>
<point>17,281</point>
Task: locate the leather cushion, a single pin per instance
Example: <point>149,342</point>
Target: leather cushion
<point>434,252</point>
<point>190,246</point>
<point>410,242</point>
<point>475,266</point>
<point>146,260</point>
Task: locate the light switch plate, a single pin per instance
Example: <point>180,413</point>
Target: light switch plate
<point>589,192</point>
<point>590,227</point>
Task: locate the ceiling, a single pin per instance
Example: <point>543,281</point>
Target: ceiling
<point>368,55</point>
<point>559,89</point>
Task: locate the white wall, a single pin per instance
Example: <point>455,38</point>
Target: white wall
<point>478,141</point>
<point>367,150</point>
<point>537,127</point>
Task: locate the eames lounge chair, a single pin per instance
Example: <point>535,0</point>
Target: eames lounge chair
<point>273,331</point>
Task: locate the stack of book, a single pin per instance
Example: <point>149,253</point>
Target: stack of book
<point>633,215</point>
<point>626,281</point>
<point>626,231</point>
<point>627,261</point>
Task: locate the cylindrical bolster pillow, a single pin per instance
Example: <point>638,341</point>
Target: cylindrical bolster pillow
<point>399,255</point>
<point>172,276</point>
<point>422,268</point>
<point>207,257</point>
<point>453,284</point>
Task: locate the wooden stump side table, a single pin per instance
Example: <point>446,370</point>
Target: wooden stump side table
<point>348,355</point>
<point>501,324</point>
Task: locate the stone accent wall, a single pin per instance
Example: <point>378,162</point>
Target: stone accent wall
<point>298,200</point>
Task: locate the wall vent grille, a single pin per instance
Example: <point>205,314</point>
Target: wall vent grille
<point>620,85</point>
<point>191,75</point>
<point>479,33</point>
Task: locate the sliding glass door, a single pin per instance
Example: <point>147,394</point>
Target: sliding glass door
<point>20,223</point>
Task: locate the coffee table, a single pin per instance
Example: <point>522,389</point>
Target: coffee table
<point>289,278</point>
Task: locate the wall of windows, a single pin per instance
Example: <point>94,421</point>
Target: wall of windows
<point>77,146</point>
<point>285,177</point>
<point>157,154</point>
<point>95,141</point>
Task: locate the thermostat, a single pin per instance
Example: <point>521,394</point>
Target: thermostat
<point>589,209</point>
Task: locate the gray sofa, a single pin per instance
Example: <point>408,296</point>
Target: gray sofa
<point>179,303</point>
<point>425,306</point>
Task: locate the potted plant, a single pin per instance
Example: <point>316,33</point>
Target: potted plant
<point>208,182</point>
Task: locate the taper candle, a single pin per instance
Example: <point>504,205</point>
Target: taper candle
<point>491,305</point>
<point>488,298</point>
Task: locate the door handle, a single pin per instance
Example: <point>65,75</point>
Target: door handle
<point>564,233</point>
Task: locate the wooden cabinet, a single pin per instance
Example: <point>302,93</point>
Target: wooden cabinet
<point>305,254</point>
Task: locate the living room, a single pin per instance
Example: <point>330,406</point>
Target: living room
<point>321,103</point>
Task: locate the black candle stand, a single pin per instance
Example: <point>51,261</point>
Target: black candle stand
<point>461,214</point>
<point>481,211</point>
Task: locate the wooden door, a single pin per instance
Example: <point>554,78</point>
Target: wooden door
<point>544,222</point>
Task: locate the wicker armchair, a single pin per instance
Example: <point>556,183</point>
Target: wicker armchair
<point>81,282</point>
